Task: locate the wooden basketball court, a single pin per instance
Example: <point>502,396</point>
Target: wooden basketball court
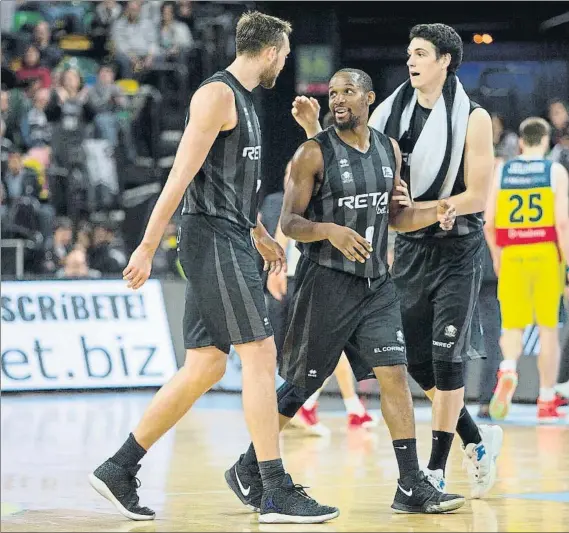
<point>51,442</point>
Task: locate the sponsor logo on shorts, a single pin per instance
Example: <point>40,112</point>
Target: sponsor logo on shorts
<point>389,349</point>
<point>312,373</point>
<point>400,336</point>
<point>450,331</point>
<point>443,344</point>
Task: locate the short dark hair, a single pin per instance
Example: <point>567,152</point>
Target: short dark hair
<point>533,130</point>
<point>256,31</point>
<point>443,38</point>
<point>362,78</point>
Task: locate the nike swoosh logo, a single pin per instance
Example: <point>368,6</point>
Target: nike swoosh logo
<point>406,492</point>
<point>401,447</point>
<point>244,491</point>
<point>435,438</point>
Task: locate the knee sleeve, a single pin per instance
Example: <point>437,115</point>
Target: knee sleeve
<point>423,374</point>
<point>448,376</point>
<point>291,398</point>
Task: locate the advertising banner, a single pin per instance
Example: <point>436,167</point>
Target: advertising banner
<point>84,334</point>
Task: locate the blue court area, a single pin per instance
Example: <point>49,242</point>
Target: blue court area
<point>562,497</point>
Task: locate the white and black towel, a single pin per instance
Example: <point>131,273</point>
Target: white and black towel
<point>437,154</point>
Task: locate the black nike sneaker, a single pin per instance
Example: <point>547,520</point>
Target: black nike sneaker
<point>119,486</point>
<point>417,495</point>
<point>289,504</point>
<point>245,481</point>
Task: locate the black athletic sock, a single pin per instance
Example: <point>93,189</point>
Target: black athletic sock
<point>250,457</point>
<point>129,454</point>
<point>442,442</point>
<point>272,473</point>
<point>406,454</point>
<point>467,429</point>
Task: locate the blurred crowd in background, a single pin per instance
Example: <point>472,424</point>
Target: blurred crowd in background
<point>93,103</point>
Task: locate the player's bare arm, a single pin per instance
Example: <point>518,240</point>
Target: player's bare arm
<point>271,251</point>
<point>478,166</point>
<point>212,110</point>
<point>307,171</point>
<point>561,180</point>
<point>404,216</point>
<point>490,220</point>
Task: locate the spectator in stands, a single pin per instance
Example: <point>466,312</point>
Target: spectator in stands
<point>59,14</point>
<point>175,38</point>
<point>21,181</point>
<point>60,245</point>
<point>8,76</point>
<point>75,266</point>
<point>106,13</point>
<point>4,106</point>
<point>102,254</point>
<point>135,40</point>
<point>185,14</point>
<point>50,55</point>
<point>36,130</point>
<point>69,107</point>
<point>20,101</point>
<point>84,235</point>
<point>560,152</point>
<point>106,99</point>
<point>506,142</point>
<point>558,112</point>
<point>31,68</point>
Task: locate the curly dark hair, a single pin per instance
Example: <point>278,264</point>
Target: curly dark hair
<point>444,39</point>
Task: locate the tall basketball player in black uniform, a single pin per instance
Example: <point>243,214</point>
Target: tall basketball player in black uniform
<point>337,206</point>
<point>218,167</point>
<point>438,272</point>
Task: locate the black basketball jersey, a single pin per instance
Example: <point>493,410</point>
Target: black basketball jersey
<point>355,192</point>
<point>227,184</point>
<point>465,224</point>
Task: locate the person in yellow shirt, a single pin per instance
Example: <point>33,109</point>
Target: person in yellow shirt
<point>527,229</point>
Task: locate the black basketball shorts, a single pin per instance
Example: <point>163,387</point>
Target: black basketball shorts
<point>438,281</point>
<point>332,311</point>
<point>225,303</point>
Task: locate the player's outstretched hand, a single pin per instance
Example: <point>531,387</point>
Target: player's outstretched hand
<point>139,267</point>
<point>273,254</point>
<point>402,195</point>
<point>350,243</point>
<point>277,285</point>
<point>305,111</point>
<point>446,214</point>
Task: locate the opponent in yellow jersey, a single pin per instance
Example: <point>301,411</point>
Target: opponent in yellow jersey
<point>527,229</point>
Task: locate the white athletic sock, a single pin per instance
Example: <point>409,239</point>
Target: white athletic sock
<point>508,365</point>
<point>546,395</point>
<point>311,402</point>
<point>354,406</point>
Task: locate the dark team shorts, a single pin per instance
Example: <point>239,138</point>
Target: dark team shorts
<point>332,311</point>
<point>438,281</point>
<point>225,303</point>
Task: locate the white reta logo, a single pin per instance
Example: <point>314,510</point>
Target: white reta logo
<point>362,201</point>
<point>252,152</point>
